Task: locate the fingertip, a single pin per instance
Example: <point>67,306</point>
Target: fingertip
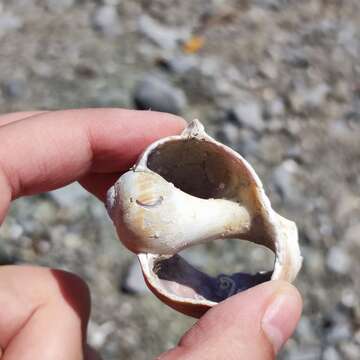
<point>281,315</point>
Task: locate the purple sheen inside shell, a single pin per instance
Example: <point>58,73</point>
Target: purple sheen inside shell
<point>180,278</point>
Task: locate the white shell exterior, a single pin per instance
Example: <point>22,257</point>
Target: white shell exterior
<point>152,216</point>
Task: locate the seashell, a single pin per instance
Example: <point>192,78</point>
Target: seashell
<point>186,190</point>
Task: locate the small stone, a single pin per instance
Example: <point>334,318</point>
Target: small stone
<point>179,64</point>
<point>42,246</point>
<point>134,282</point>
<point>72,241</point>
<point>285,182</point>
<point>229,134</point>
<point>330,353</point>
<point>106,20</point>
<point>10,22</point>
<point>306,353</point>
<point>14,88</point>
<point>348,298</point>
<point>350,351</point>
<point>305,330</point>
<point>59,5</point>
<point>248,143</point>
<point>45,212</point>
<point>97,334</point>
<point>304,99</point>
<point>339,332</point>
<point>314,262</point>
<point>69,195</point>
<point>276,108</point>
<point>156,93</point>
<point>338,261</point>
<point>248,115</point>
<point>352,235</point>
<point>161,35</point>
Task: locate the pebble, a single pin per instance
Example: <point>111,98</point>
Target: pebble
<point>352,234</point>
<point>73,241</point>
<point>98,333</point>
<point>304,99</point>
<point>163,36</point>
<point>10,22</point>
<point>276,108</point>
<point>314,262</point>
<point>69,195</point>
<point>330,353</point>
<point>305,330</point>
<point>350,351</point>
<point>305,353</point>
<point>107,20</point>
<point>134,282</point>
<point>229,134</point>
<point>60,5</point>
<point>248,115</point>
<point>157,94</point>
<point>339,332</point>
<point>179,64</point>
<point>14,88</point>
<point>45,213</point>
<point>338,261</point>
<point>284,180</point>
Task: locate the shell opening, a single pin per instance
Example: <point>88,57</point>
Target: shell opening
<point>197,167</point>
<point>182,280</point>
<point>203,169</point>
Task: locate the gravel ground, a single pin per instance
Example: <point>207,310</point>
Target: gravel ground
<point>277,80</point>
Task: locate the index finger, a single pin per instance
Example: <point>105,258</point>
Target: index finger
<point>53,149</point>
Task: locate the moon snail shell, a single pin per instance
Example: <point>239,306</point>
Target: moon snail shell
<point>186,190</point>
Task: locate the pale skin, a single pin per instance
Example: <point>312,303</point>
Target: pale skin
<point>44,312</point>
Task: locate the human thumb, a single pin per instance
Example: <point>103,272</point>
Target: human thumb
<point>251,325</point>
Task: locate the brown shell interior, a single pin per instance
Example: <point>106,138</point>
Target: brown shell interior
<point>207,170</point>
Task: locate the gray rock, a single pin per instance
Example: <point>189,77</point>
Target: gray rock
<point>106,20</point>
<point>339,332</point>
<point>350,351</point>
<point>10,22</point>
<point>134,282</point>
<point>156,93</point>
<point>276,108</point>
<point>59,5</point>
<point>69,195</point>
<point>314,261</point>
<point>179,64</point>
<point>304,99</point>
<point>349,298</point>
<point>285,182</point>
<point>306,353</point>
<point>352,234</point>
<point>163,36</point>
<point>248,143</point>
<point>98,333</point>
<point>338,260</point>
<point>14,88</point>
<point>248,115</point>
<point>229,134</point>
<point>306,331</point>
<point>330,353</point>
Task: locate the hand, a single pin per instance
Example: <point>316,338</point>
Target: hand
<point>44,312</point>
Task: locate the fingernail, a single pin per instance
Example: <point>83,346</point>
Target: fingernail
<point>280,318</point>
